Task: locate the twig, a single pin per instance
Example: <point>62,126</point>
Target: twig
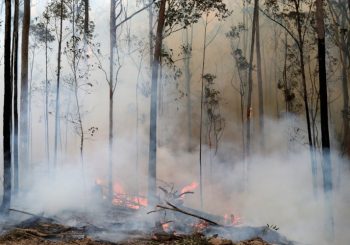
<point>137,12</point>
<point>185,193</point>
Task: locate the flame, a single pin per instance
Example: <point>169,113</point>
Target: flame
<point>118,188</point>
<point>120,196</point>
<point>190,187</point>
<point>166,227</point>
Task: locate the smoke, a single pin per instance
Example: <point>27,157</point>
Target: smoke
<point>277,189</point>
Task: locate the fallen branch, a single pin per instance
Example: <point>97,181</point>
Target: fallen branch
<point>24,212</point>
<point>176,209</point>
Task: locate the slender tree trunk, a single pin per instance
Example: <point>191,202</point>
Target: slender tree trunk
<point>15,97</point>
<point>6,201</point>
<point>201,113</point>
<point>152,165</point>
<point>113,41</point>
<point>260,80</point>
<point>250,77</point>
<point>24,86</point>
<point>187,68</point>
<point>305,97</point>
<point>57,115</point>
<point>47,146</point>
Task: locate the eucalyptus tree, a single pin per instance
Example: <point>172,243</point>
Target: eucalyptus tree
<point>320,25</point>
<point>215,122</point>
<point>14,71</point>
<point>42,32</point>
<point>173,15</point>
<point>75,52</point>
<point>7,112</point>
<point>187,50</point>
<point>295,17</point>
<point>250,78</point>
<point>242,65</point>
<point>339,34</point>
<point>59,11</point>
<point>24,97</point>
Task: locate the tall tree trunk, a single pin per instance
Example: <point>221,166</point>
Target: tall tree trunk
<point>24,120</point>
<point>305,97</point>
<point>113,41</point>
<point>187,68</point>
<point>326,166</point>
<point>6,200</point>
<point>57,115</point>
<point>343,53</point>
<point>326,163</point>
<point>150,36</point>
<point>152,165</point>
<point>14,69</point>
<point>250,77</point>
<point>201,112</point>
<point>47,147</point>
<point>260,80</point>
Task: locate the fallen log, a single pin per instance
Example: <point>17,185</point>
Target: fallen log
<point>176,209</point>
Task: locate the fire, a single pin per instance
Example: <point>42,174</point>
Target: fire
<point>189,188</point>
<point>166,227</point>
<point>120,196</point>
<point>232,220</point>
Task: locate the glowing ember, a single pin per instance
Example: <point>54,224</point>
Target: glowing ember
<point>232,220</point>
<point>166,227</point>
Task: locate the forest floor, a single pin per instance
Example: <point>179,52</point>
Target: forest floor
<point>34,237</point>
<point>39,230</point>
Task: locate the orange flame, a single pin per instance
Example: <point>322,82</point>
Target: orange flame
<point>121,198</point>
<point>166,227</point>
<point>190,187</point>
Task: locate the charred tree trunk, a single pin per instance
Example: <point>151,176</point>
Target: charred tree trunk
<point>24,116</point>
<point>14,69</point>
<point>260,80</point>
<point>57,115</point>
<point>250,77</point>
<point>6,200</point>
<point>326,166</point>
<point>152,165</point>
<point>326,163</point>
<point>113,41</point>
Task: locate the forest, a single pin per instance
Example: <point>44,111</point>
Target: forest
<point>149,122</point>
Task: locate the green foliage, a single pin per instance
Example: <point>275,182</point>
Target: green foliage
<point>42,32</point>
<point>216,122</point>
<point>182,13</point>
